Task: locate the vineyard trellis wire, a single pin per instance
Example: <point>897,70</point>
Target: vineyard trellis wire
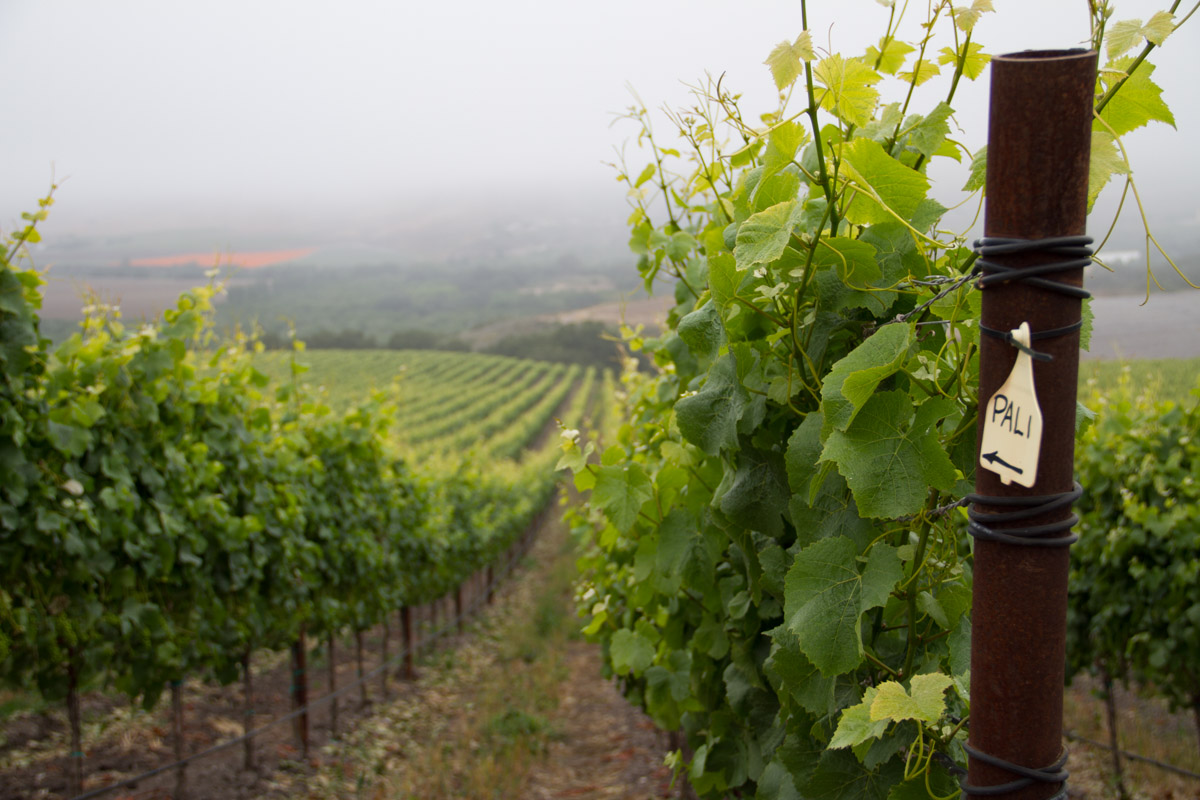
<point>446,627</point>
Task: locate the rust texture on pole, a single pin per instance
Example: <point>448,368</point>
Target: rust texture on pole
<point>75,718</point>
<point>408,642</point>
<point>300,690</point>
<point>247,712</point>
<point>1039,138</point>
<point>177,735</point>
<point>331,651</point>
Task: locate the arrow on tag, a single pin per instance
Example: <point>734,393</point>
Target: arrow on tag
<point>1012,422</point>
<point>994,458</point>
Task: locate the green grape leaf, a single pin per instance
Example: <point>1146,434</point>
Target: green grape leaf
<point>621,490</point>
<point>840,775</point>
<point>849,92</point>
<point>785,139</point>
<point>776,783</point>
<point>647,174</point>
<point>1105,162</point>
<point>974,59</point>
<point>786,57</point>
<point>890,457</point>
<point>703,332</point>
<point>1138,102</point>
<point>829,510</point>
<point>1125,35</point>
<point>966,17</point>
<point>790,669</point>
<point>926,134</point>
<point>922,71</point>
<point>888,57</point>
<point>853,379</point>
<point>762,238</point>
<point>826,596</point>
<point>978,177</point>
<point>1160,25</point>
<point>70,440</point>
<point>755,496</point>
<point>685,551</point>
<point>879,183</point>
<point>928,213</point>
<point>803,453</point>
<point>1088,318</point>
<point>680,245</point>
<point>926,703</point>
<point>854,260</point>
<point>724,278</point>
<point>857,725</point>
<point>630,652</point>
<point>709,418</point>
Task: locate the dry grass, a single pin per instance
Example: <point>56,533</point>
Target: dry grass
<point>1145,727</point>
<point>477,720</point>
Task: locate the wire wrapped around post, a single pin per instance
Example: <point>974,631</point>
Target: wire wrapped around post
<point>1031,263</point>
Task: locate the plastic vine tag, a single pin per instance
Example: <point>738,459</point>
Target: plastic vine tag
<point>1012,426</point>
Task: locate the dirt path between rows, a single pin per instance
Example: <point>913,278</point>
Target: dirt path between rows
<point>608,748</point>
<point>515,707</point>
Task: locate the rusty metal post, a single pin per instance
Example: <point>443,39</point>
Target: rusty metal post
<point>1039,138</point>
<point>331,652</point>
<point>247,711</point>
<point>177,736</point>
<point>299,691</point>
<point>408,641</point>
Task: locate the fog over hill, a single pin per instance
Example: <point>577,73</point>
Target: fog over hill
<point>451,147</point>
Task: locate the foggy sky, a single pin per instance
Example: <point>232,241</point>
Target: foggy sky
<point>244,112</point>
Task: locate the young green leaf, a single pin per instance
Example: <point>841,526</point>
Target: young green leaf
<point>1137,102</point>
<point>1125,35</point>
<point>972,56</point>
<point>926,703</point>
<point>849,91</point>
<point>854,378</point>
<point>1105,162</point>
<point>786,58</point>
<point>857,725</point>
<point>883,188</point>
<point>966,17</point>
<point>888,57</point>
<point>762,238</point>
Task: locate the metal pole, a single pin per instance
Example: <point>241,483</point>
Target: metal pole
<point>408,642</point>
<point>1039,139</point>
<point>300,690</point>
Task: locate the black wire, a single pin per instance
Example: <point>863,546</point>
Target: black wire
<point>1026,507</point>
<point>1075,250</point>
<point>1077,253</point>
<point>1028,777</point>
<point>433,637</point>
<point>1007,336</point>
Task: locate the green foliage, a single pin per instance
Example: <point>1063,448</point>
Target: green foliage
<point>1135,572</point>
<point>777,563</point>
<point>164,510</point>
<point>589,343</point>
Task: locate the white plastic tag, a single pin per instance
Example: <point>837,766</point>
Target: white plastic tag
<point>1012,427</point>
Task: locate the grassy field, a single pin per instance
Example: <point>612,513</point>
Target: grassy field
<point>1167,378</point>
<point>346,374</point>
